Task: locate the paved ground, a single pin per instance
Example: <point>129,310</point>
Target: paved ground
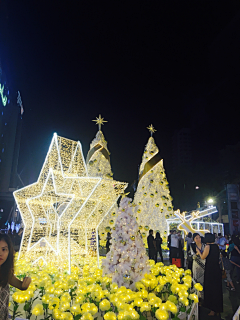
<point>231,301</point>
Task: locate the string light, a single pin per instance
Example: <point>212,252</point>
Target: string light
<point>98,165</point>
<point>4,98</point>
<point>65,206</point>
<point>186,224</point>
<point>152,198</point>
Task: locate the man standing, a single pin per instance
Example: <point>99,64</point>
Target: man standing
<point>151,246</point>
<point>169,245</point>
<point>174,245</point>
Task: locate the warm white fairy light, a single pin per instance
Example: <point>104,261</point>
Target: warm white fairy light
<point>152,198</point>
<point>98,165</point>
<point>186,223</point>
<point>55,208</point>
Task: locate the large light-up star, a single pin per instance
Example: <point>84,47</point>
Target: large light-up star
<point>100,121</point>
<point>65,205</point>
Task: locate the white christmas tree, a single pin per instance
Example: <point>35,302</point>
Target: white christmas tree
<point>98,165</point>
<point>126,261</point>
<point>152,198</point>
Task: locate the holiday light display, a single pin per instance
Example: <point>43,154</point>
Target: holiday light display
<point>186,224</point>
<point>195,222</point>
<point>63,208</point>
<point>152,198</point>
<point>4,98</point>
<point>98,165</point>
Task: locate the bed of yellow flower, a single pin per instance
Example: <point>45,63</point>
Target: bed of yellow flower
<point>86,294</point>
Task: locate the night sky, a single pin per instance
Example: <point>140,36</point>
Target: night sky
<point>174,64</point>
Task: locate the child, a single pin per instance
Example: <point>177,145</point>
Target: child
<point>226,264</point>
<point>7,275</point>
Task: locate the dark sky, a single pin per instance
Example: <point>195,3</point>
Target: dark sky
<point>170,63</point>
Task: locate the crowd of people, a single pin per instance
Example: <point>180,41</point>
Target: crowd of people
<point>212,258</point>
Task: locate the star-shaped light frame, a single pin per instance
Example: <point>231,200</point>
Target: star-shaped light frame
<point>62,209</point>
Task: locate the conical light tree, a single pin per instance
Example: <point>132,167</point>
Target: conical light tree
<point>98,165</point>
<point>152,198</point>
<point>126,261</point>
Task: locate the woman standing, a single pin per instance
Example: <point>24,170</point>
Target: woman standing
<point>198,265</point>
<point>158,240</point>
<point>213,296</point>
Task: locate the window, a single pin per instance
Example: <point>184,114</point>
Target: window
<point>234,205</point>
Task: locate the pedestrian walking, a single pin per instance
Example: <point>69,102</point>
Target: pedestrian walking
<point>226,265</point>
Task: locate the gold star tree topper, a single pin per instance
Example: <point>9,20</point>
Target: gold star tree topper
<point>100,121</point>
<point>151,129</point>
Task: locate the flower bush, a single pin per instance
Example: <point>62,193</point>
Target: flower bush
<point>86,294</point>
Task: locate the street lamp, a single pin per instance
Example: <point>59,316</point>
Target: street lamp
<point>210,200</point>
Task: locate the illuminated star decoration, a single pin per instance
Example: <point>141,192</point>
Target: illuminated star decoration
<point>100,121</point>
<point>125,194</point>
<point>62,209</point>
<point>151,129</point>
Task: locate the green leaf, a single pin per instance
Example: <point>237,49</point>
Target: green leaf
<point>77,317</point>
<point>183,309</point>
<point>45,306</point>
<point>142,317</point>
<point>175,318</point>
<point>188,310</point>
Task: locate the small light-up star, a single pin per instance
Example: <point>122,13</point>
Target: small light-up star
<point>124,194</point>
<point>100,121</point>
<point>151,129</point>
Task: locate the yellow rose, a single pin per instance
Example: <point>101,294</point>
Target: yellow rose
<point>93,309</point>
<point>104,305</point>
<point>75,309</point>
<point>64,306</point>
<point>134,314</point>
<point>173,299</point>
<point>110,316</point>
<point>38,310</point>
<point>87,316</point>
<point>139,286</point>
<point>57,314</point>
<point>198,286</point>
<point>193,297</point>
<point>161,314</point>
<point>85,307</point>
<point>137,302</point>
<point>145,307</point>
<point>171,307</point>
<point>53,303</point>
